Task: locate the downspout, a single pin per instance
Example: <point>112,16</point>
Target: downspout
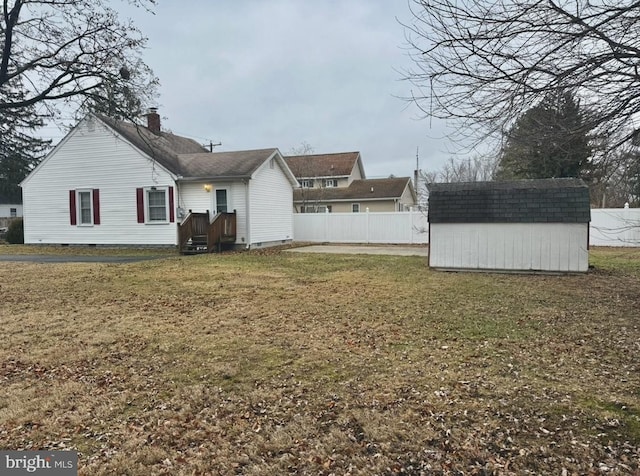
<point>247,213</point>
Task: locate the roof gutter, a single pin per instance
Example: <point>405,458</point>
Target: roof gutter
<point>220,178</point>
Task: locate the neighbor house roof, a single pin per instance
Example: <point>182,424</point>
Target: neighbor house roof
<point>324,165</point>
<point>563,200</point>
<point>365,189</point>
<point>187,159</point>
<point>10,200</point>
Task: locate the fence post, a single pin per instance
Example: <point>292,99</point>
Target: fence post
<point>410,225</point>
<point>367,225</point>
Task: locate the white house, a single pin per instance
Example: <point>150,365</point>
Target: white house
<point>528,225</point>
<point>111,182</point>
<point>10,207</point>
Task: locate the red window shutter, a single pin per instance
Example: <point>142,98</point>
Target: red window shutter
<point>140,204</point>
<point>72,208</point>
<point>96,206</point>
<point>172,213</point>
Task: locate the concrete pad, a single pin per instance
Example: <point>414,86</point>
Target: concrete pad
<point>397,250</point>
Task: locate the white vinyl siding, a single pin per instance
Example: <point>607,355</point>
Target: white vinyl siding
<point>6,210</point>
<point>553,247</point>
<point>113,166</point>
<point>193,196</point>
<point>271,206</point>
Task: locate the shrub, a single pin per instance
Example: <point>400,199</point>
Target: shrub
<point>15,233</point>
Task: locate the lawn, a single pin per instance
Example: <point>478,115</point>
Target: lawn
<point>281,363</point>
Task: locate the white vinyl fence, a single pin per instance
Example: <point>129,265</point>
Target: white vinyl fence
<point>609,227</point>
<point>380,227</point>
<point>615,227</point>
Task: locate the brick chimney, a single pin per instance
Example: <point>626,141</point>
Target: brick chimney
<point>153,120</point>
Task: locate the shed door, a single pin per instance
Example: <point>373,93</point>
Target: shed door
<point>221,204</point>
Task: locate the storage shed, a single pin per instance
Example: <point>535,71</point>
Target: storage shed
<point>520,226</point>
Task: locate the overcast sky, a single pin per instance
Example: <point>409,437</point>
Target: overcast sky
<point>254,74</point>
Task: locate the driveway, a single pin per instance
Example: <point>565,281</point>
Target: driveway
<point>397,250</point>
<point>75,259</point>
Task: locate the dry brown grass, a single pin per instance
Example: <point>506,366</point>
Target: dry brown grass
<point>276,363</point>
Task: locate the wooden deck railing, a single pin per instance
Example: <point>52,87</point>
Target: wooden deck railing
<point>221,230</point>
<point>196,224</point>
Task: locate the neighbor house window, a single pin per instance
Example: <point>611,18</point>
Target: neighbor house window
<point>330,183</point>
<point>155,205</point>
<point>84,207</point>
<point>355,207</point>
<point>307,183</point>
<point>13,212</point>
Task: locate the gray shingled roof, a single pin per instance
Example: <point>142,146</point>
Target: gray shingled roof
<point>563,200</point>
<point>365,189</point>
<point>240,164</point>
<point>186,157</point>
<point>322,165</point>
<point>163,147</point>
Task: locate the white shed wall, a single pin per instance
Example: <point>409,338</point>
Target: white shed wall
<point>93,158</point>
<point>271,205</point>
<point>553,247</point>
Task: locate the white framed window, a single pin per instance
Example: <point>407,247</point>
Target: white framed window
<point>355,208</point>
<point>85,207</point>
<point>331,183</point>
<point>13,212</point>
<point>157,205</point>
<point>306,183</point>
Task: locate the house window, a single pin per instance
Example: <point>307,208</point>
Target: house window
<point>331,183</point>
<point>13,212</point>
<point>355,207</point>
<point>85,209</point>
<point>307,183</point>
<point>157,205</point>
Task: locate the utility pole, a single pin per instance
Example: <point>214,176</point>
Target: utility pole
<point>211,145</point>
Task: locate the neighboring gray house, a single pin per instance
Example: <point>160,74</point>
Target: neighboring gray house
<point>529,225</point>
<point>111,182</point>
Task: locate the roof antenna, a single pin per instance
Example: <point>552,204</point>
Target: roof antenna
<point>211,145</point>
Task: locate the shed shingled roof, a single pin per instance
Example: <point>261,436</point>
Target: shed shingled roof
<point>563,200</point>
<point>365,189</point>
<point>322,165</point>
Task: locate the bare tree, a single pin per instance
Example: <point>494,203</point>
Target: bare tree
<point>484,62</point>
<point>473,169</point>
<point>73,51</point>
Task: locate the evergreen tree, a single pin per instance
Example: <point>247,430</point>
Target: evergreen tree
<point>549,140</point>
<point>20,151</point>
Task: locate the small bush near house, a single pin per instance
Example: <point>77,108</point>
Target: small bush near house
<point>15,233</point>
